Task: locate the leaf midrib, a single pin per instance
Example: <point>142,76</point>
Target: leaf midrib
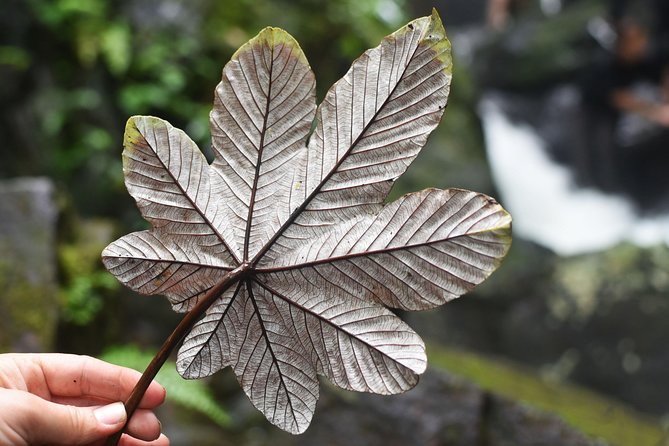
<point>261,147</point>
<point>171,261</point>
<point>218,322</point>
<point>326,320</point>
<point>351,256</point>
<point>252,298</point>
<point>197,209</point>
<point>293,216</point>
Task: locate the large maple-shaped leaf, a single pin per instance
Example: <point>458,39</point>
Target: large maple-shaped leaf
<point>287,244</point>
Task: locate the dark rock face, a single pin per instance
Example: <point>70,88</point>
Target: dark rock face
<point>441,411</point>
<point>599,320</point>
<point>28,302</point>
<point>510,424</point>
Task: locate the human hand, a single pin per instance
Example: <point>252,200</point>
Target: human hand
<point>74,400</point>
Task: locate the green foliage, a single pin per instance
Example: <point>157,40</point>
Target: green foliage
<point>81,299</point>
<point>95,62</point>
<point>84,282</point>
<point>193,395</point>
<point>93,31</point>
<point>14,57</point>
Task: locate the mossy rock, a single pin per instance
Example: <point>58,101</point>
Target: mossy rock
<point>602,419</point>
<point>28,300</point>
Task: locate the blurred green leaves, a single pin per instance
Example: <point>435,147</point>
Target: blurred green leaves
<point>90,64</point>
<point>115,45</point>
<point>14,57</point>
<point>88,27</point>
<point>193,395</point>
<point>84,284</point>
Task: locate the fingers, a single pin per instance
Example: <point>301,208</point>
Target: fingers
<point>83,376</point>
<point>127,440</point>
<point>43,422</point>
<point>37,421</point>
<point>144,425</point>
<point>74,402</point>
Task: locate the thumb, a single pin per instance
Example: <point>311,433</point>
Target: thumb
<point>62,424</point>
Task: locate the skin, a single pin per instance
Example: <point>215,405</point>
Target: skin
<point>72,400</point>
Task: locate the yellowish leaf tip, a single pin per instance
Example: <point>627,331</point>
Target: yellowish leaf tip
<point>131,131</point>
<point>273,37</point>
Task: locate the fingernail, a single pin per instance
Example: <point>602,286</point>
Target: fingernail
<point>110,414</point>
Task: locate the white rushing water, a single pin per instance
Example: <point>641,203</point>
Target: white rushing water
<point>547,207</point>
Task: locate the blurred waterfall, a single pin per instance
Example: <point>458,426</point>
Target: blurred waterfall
<point>546,204</point>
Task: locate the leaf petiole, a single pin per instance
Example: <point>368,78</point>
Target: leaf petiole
<point>171,342</point>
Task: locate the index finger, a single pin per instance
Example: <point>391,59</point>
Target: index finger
<point>83,376</point>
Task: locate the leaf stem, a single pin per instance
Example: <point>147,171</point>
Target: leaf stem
<point>171,342</point>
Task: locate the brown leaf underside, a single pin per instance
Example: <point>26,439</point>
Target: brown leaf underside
<point>287,247</point>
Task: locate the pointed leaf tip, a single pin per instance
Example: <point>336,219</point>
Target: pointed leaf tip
<point>436,25</point>
<point>436,31</point>
<point>272,37</point>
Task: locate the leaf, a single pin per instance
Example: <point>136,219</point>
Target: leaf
<point>284,242</point>
<point>194,395</point>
